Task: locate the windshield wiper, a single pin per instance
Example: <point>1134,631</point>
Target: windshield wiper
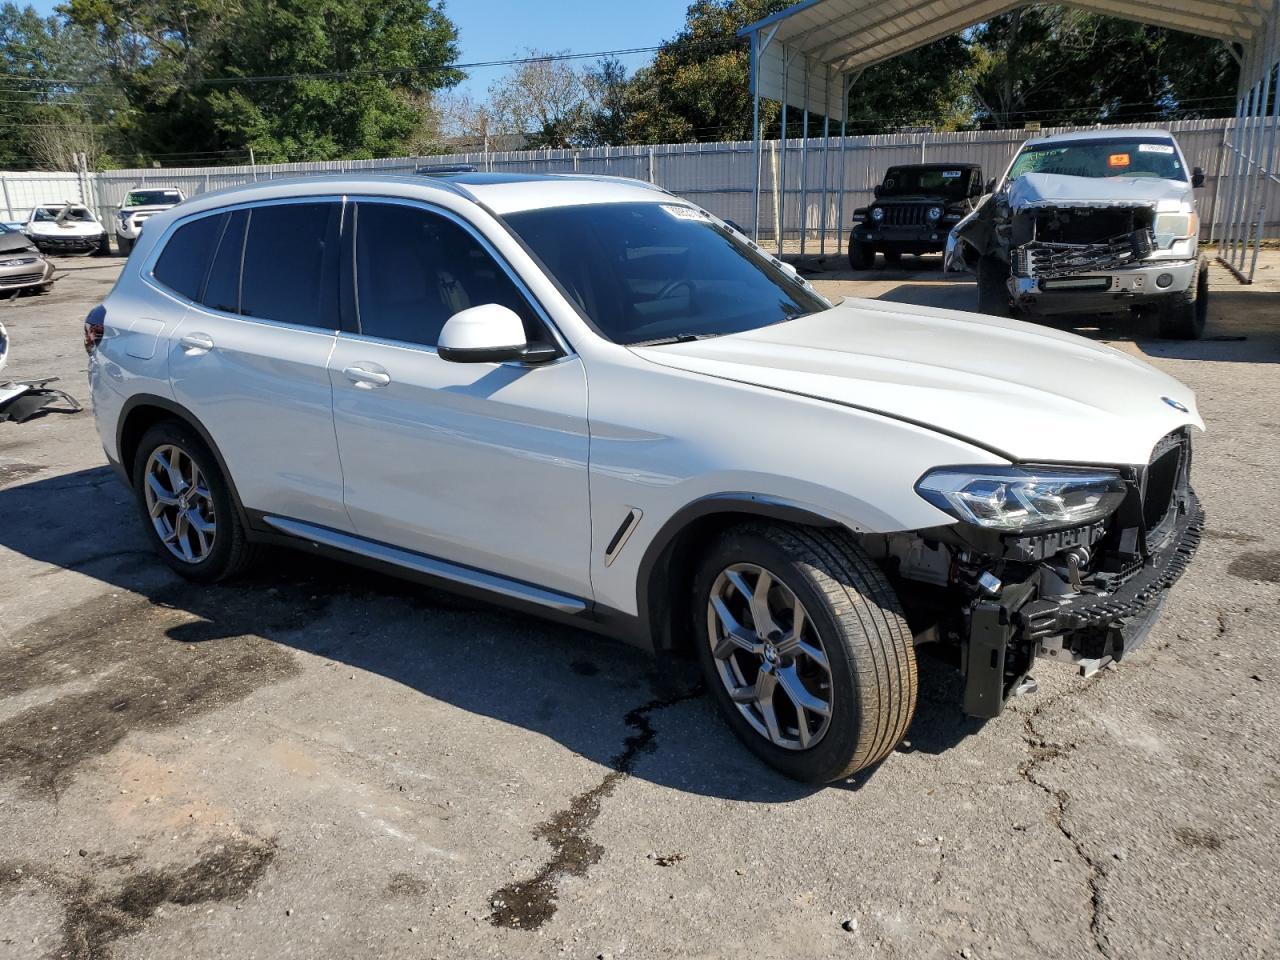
<point>674,338</point>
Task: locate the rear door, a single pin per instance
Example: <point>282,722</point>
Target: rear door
<point>250,356</point>
<point>480,464</point>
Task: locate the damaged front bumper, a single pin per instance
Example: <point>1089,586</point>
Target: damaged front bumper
<point>1090,629</point>
<point>1103,290</point>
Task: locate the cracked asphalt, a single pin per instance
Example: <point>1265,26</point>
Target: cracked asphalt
<point>319,762</point>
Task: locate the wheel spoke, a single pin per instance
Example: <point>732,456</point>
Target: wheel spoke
<point>162,496</point>
<point>799,694</point>
<point>736,637</point>
<point>766,683</point>
<point>181,531</point>
<point>166,462</point>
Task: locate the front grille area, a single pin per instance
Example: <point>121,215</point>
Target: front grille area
<point>1165,482</point>
<point>21,279</point>
<point>904,214</point>
<point>1040,259</point>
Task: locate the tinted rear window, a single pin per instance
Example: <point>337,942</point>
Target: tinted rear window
<point>222,291</point>
<point>290,261</point>
<point>185,258</point>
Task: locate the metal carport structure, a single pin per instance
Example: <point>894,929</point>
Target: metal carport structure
<point>800,56</point>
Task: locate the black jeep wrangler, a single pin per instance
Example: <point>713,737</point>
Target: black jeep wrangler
<point>915,208</point>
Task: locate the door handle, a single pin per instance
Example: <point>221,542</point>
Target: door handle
<point>367,379</point>
<point>201,342</point>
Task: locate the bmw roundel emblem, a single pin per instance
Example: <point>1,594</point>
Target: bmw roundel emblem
<point>1181,408</point>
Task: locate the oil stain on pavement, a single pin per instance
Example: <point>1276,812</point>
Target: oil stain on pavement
<point>1263,566</point>
<point>528,904</point>
<point>133,663</point>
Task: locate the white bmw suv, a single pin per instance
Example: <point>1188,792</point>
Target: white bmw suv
<point>593,401</point>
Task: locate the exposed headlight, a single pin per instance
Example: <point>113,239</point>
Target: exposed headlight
<point>1023,499</point>
<point>935,213</point>
<point>1169,227</point>
<point>877,214</point>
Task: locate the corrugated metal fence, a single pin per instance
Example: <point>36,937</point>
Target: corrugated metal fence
<point>718,176</point>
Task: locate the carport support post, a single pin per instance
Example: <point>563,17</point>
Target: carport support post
<point>1263,88</point>
<point>1233,215</point>
<point>826,156</point>
<point>1266,156</point>
<point>757,51</point>
<point>781,220</point>
<point>846,83</point>
<point>1222,195</point>
<point>804,162</point>
<point>8,203</point>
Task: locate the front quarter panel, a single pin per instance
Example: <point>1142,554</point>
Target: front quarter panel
<point>662,439</point>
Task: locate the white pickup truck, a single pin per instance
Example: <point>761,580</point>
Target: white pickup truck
<point>1095,222</point>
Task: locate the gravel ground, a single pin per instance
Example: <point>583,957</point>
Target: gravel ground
<point>317,762</point>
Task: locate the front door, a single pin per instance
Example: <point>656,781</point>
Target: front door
<point>479,464</point>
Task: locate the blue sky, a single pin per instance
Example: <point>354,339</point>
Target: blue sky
<point>498,29</point>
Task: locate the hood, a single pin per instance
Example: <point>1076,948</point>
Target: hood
<point>10,242</point>
<point>67,228</point>
<point>1053,189</point>
<point>150,207</point>
<point>1020,390</point>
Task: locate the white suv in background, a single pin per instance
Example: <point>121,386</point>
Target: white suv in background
<point>591,400</point>
<point>140,205</point>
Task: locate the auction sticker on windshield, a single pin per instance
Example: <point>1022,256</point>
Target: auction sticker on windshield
<point>1118,160</point>
<point>681,212</point>
<point>1155,148</point>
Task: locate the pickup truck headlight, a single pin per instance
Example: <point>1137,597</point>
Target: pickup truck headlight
<point>1169,227</point>
<point>1023,499</point>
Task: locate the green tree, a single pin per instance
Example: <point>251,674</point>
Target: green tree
<point>343,78</point>
<point>1060,65</point>
<point>606,119</point>
<point>53,103</point>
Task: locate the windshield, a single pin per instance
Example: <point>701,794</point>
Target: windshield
<point>74,215</point>
<point>151,198</point>
<point>1120,157</point>
<point>955,183</point>
<point>655,271</point>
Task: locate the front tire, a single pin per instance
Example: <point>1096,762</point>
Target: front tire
<point>993,287</point>
<point>1183,315</point>
<point>187,507</point>
<point>125,244</point>
<point>804,647</point>
<point>103,248</point>
<point>862,256</point>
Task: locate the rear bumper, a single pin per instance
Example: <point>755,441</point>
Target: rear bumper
<point>1104,290</point>
<point>1089,630</point>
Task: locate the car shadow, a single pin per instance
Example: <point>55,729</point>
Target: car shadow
<point>571,686</point>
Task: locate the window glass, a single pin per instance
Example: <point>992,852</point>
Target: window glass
<point>1119,157</point>
<point>290,258</point>
<point>185,257</point>
<point>151,198</point>
<point>222,291</point>
<point>416,269</point>
<point>645,272</point>
<point>954,183</point>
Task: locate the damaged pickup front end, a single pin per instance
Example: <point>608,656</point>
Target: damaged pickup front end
<point>1055,243</point>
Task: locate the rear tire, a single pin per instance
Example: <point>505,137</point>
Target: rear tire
<point>850,616</point>
<point>862,256</point>
<point>195,486</point>
<point>1183,315</point>
<point>993,288</point>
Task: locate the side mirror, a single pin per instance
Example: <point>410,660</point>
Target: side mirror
<point>991,185</point>
<point>489,333</point>
<point>1197,177</point>
<point>876,190</point>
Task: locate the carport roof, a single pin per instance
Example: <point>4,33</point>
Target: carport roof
<point>848,35</point>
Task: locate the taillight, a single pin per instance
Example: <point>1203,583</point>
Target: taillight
<point>93,325</point>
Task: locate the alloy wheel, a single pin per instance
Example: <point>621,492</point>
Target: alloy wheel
<point>769,656</point>
<point>179,503</point>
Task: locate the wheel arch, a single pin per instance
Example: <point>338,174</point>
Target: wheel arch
<point>143,411</point>
<point>672,553</point>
